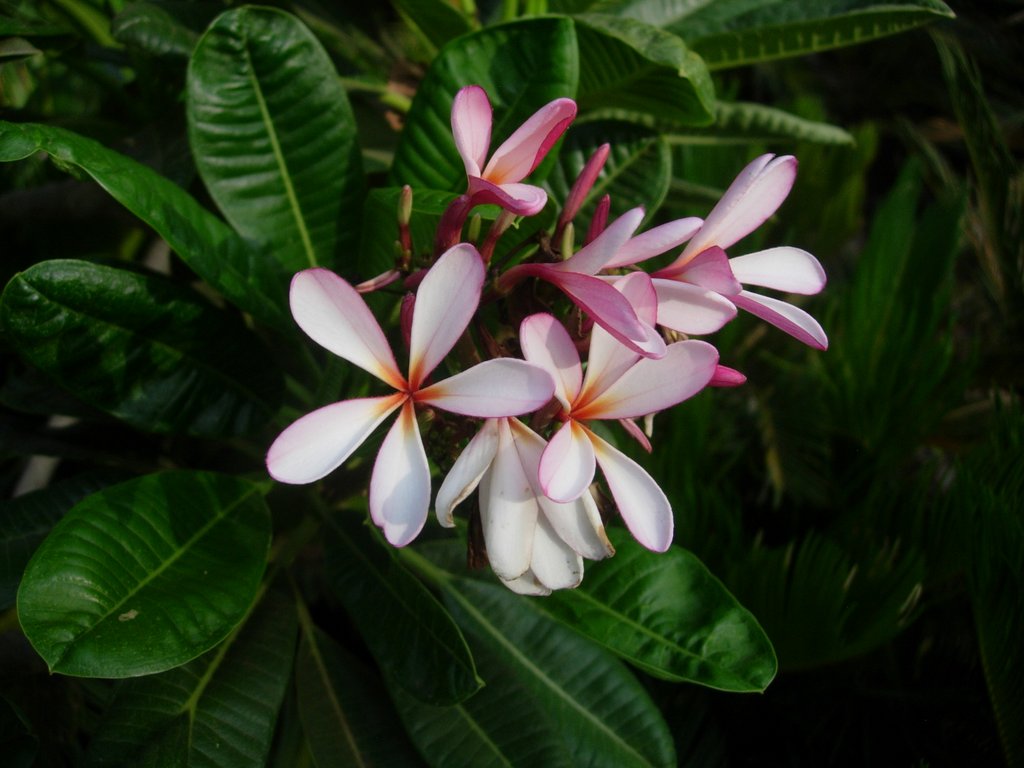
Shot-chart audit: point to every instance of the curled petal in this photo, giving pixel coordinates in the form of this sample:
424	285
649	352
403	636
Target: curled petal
508	510
784	269
655	242
709	269
527	584
464	476
688	308
445	303
334	315
593	257
321	441
642	504
793	320
546	343
654	385
567	464
520	199
555	564
471	126
400	483
516	158
500	387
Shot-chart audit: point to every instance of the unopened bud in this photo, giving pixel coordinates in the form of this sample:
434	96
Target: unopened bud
600	218
475	224
568	240
405	317
405	206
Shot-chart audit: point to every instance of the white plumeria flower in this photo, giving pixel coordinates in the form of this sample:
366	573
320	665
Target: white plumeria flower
619	384
700	290
335	316
534	544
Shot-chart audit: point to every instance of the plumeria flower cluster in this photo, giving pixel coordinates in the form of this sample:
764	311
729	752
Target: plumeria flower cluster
573	342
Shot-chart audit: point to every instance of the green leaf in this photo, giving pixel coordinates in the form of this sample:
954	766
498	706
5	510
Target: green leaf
218	710
13	48
345	711
26	520
145	575
204	242
637	172
627	64
436	21
731	33
274	137
408	631
669	616
603	712
522	66
164	29
141	348
749	123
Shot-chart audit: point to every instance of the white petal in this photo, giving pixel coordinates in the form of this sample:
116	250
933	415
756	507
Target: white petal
577	523
465	474
521	152
754	196
504	386
784	269
594	256
654	385
445	303
567	464
546	343
526	584
655	241
689	308
335	316
321	441
642	504
400	484
555	564
508	510
792	320
471	127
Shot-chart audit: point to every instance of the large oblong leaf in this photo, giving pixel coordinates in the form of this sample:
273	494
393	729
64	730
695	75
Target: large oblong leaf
204	242
522	66
145	575
274	137
141	348
668	615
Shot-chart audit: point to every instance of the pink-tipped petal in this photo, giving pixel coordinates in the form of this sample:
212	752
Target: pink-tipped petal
567	464
654	385
594	257
726	377
520	199
500	387
642	504
655	242
709	269
784	269
508	510
321	441
786	317
445	303
688	308
464	476
555	564
400	483
334	315
516	158
471	126
546	343
754	196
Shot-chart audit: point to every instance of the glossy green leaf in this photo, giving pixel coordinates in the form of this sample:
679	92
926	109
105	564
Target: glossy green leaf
345	711
408	631
522	66
26	520
627	64
499	725
141	348
749	123
161	29
437	21
274	137
668	615
145	575
638	170
203	241
217	711
730	33
605	715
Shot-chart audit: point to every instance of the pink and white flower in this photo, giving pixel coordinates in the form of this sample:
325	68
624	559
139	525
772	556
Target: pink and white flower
619	384
534	544
497	180
335	316
699	291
